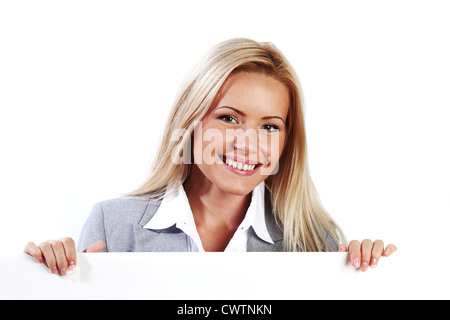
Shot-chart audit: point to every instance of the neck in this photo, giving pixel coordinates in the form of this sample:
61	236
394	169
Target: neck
212	206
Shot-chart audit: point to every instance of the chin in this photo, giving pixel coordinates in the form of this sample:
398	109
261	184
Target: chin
237	188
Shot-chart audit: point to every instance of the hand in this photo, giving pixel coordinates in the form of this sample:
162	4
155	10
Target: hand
60	256
368	253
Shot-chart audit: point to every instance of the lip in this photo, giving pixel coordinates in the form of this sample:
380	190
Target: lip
241	172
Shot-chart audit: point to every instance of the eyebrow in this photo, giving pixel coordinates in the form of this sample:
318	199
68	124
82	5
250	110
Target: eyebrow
243	114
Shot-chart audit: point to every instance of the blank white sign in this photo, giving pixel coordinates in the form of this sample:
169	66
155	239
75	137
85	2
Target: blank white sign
211	276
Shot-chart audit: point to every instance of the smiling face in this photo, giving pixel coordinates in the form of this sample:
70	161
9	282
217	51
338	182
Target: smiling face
240	140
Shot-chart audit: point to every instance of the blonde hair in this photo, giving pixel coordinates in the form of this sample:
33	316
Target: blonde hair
294	199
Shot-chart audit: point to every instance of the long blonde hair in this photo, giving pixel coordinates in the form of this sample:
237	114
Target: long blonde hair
294	199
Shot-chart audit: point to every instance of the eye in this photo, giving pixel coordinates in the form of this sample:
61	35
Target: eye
271	128
229	119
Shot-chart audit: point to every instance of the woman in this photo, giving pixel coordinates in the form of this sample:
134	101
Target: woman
231	173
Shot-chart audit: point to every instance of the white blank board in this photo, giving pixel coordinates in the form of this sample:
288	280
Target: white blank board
212	276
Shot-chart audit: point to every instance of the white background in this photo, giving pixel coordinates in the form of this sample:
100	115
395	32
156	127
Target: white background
85	87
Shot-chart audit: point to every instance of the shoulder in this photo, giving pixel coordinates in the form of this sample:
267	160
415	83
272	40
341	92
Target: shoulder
124	205
114	221
126	209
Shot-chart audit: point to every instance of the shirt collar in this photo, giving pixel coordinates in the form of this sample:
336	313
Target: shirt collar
175	210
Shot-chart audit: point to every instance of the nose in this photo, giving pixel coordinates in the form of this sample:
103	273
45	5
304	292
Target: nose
246	141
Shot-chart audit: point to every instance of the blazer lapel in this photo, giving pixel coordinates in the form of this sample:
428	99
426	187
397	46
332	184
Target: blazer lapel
275	231
147	240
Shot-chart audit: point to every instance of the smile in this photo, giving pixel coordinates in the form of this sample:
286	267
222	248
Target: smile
240	166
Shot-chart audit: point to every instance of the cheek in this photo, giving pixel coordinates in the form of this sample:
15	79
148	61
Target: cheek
197	150
272	148
208	143
280	144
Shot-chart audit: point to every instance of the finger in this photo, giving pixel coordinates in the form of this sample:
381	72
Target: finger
354	250
49	256
96	247
60	255
70	251
342	248
390	249
366	254
377	251
34	251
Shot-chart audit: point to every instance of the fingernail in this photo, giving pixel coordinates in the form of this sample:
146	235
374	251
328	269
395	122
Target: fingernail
41	260
55	270
373	263
72	265
356	263
63	271
364	266
387	252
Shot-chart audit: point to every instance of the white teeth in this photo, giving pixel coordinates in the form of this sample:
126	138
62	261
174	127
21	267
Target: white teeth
239	165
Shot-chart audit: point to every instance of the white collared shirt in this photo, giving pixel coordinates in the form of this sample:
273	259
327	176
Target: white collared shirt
175	210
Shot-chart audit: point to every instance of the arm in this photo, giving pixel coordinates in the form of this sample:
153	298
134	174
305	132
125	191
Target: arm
93	229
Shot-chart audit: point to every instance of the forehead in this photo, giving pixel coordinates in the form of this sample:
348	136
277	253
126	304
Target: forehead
254	93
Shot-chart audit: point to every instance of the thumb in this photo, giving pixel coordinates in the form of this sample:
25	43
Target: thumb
96	247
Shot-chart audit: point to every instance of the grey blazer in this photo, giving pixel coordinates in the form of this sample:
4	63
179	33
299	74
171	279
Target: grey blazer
119	223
